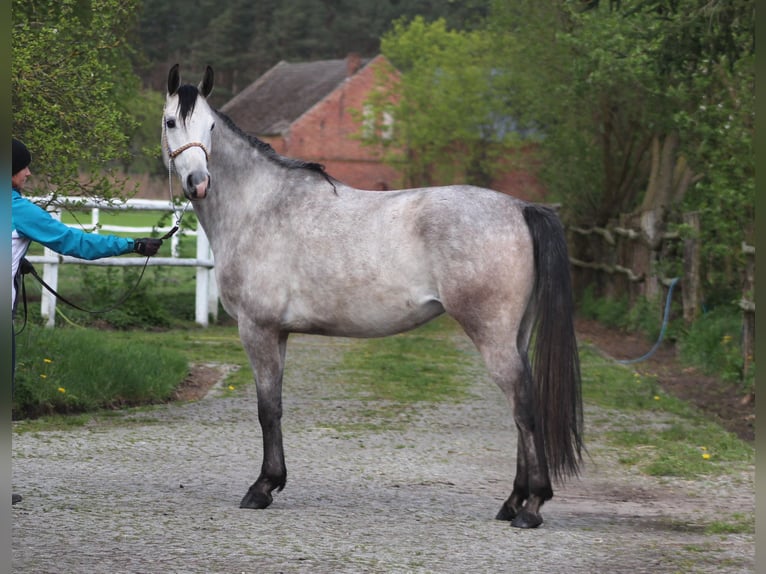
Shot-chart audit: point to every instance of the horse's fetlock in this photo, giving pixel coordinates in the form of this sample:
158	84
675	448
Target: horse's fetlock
543	493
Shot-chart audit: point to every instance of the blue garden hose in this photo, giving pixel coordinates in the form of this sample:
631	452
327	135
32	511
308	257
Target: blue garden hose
665	321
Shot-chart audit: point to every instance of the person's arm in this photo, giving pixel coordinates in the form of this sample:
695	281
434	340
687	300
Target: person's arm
33	222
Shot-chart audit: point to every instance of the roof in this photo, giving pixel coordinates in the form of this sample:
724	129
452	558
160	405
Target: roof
271	104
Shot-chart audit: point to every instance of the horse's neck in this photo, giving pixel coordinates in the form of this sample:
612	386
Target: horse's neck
241	186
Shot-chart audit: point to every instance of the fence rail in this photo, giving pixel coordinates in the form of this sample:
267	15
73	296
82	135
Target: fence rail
206	291
629	262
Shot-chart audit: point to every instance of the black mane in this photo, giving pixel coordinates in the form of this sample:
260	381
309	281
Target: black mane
266	149
187	98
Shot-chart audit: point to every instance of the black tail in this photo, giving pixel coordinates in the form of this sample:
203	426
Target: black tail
555	361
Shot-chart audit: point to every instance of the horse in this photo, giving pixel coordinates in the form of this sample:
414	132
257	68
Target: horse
298	251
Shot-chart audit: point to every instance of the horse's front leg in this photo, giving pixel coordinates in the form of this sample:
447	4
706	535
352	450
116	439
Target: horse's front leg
266	350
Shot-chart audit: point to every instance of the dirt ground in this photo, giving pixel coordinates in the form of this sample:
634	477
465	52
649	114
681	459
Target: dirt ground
370	490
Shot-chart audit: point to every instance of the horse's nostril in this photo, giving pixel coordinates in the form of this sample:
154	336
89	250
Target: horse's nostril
197	184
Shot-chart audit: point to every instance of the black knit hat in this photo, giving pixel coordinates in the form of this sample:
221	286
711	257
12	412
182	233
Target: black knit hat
21	156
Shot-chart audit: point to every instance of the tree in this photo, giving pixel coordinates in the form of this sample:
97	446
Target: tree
641	105
242	39
449	119
71	81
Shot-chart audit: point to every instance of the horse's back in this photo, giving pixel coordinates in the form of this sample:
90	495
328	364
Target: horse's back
463	214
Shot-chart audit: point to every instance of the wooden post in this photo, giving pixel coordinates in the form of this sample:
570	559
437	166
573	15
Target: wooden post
202	296
748	308
691	280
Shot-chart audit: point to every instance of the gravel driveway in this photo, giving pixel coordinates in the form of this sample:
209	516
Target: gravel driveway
157	491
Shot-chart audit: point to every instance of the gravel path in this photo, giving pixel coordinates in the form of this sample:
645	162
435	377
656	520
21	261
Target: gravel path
157	491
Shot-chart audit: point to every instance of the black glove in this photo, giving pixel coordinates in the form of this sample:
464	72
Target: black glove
147	245
26	266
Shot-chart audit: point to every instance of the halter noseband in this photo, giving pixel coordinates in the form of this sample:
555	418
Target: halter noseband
183	148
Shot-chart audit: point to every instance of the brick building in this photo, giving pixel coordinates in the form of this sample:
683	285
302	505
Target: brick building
304	110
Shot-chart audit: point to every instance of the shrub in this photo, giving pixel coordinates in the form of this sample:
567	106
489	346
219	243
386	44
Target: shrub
611	312
140	308
713	343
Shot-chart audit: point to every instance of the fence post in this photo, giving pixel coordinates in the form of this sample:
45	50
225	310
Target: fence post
203	279
690	287
212	288
748	308
51	277
176	238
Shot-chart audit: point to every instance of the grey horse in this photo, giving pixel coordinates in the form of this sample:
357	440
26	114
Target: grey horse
297	251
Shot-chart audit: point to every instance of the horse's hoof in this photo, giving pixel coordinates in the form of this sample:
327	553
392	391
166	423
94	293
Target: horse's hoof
526	519
255	500
506	513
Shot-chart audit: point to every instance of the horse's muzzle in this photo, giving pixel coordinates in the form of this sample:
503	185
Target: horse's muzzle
197	185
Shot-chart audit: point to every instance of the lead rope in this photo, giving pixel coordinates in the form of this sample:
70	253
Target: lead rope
178	217
26	267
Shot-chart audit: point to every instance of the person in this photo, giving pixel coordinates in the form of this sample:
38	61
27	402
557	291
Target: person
30	222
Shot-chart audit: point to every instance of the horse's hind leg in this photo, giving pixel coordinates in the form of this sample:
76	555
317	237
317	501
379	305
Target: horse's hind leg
509	368
532	484
513	506
266	350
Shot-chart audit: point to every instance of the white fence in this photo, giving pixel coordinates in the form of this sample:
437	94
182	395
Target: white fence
206	298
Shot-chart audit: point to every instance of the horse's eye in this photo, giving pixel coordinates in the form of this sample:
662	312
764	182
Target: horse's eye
211	127
171	123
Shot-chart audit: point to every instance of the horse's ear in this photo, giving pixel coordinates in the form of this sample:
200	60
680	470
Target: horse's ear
206	85
174	80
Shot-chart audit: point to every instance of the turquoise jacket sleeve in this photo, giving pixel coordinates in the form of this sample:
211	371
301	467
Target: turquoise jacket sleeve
32	221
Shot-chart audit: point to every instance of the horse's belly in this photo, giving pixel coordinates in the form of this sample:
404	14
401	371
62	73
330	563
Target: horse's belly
368	318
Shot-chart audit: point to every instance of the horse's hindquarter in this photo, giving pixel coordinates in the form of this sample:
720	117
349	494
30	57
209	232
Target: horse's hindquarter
486	258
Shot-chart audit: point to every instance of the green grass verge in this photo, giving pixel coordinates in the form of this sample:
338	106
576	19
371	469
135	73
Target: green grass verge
653	431
421	365
77	370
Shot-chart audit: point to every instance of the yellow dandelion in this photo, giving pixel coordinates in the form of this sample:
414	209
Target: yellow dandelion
706	455
43	376
656	397
726	339
61	390
47	361
231	387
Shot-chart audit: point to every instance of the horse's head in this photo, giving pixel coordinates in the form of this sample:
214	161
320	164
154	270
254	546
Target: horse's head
187	124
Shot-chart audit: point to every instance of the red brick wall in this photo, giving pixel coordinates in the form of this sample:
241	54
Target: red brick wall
325	134
518	179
